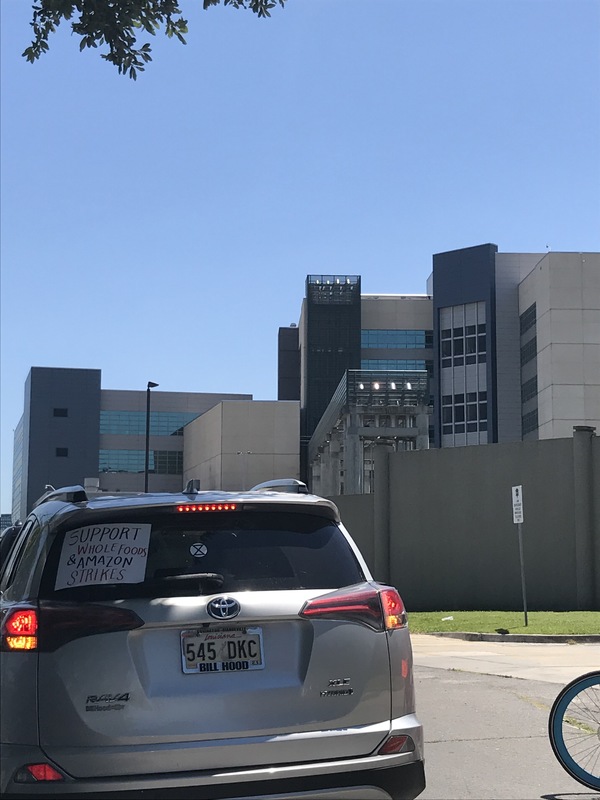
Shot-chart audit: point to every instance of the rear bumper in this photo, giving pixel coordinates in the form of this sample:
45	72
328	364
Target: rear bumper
371	778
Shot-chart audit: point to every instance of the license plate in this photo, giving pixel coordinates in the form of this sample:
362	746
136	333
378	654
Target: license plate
230	650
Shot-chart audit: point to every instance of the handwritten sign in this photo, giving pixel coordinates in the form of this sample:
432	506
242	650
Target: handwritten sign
115	553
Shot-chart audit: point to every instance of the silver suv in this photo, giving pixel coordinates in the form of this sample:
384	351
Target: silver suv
207	644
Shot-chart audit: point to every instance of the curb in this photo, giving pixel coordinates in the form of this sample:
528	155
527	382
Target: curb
531	638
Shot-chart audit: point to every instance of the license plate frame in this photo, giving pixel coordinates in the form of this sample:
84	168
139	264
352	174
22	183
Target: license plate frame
219	642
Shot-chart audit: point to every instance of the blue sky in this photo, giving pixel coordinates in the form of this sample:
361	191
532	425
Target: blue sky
163	229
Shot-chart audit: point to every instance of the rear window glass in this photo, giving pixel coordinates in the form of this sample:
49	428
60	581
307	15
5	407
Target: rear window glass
182	555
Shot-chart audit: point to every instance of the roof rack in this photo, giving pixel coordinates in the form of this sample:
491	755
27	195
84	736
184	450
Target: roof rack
68	494
288	485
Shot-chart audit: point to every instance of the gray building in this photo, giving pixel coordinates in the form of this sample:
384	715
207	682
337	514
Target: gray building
5	521
509	344
341	331
58	436
236	445
72	430
370	410
516	345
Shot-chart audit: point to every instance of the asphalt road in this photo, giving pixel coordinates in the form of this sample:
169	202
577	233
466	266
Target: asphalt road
486	739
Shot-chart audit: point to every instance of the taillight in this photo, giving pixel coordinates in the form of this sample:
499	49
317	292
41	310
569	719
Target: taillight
377	609
394	613
54	624
20	629
396	744
38	773
207	507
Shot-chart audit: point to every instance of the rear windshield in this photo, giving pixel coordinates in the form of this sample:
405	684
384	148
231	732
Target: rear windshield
182	555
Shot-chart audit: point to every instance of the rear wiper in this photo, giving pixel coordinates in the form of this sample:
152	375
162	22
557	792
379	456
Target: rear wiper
211	578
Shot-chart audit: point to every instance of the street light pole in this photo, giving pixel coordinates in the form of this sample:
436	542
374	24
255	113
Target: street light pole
151	385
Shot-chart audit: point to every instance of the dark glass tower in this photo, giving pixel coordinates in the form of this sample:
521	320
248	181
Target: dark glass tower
288	364
330	342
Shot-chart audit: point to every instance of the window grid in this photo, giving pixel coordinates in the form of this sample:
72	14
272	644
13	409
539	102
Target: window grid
463	342
388	339
133	423
461	417
529	351
161	462
528	318
529	389
529	422
392	364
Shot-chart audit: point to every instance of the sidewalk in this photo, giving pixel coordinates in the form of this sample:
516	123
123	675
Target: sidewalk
551	662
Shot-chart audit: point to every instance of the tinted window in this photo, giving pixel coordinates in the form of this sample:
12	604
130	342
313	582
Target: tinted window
246	551
7	539
17	570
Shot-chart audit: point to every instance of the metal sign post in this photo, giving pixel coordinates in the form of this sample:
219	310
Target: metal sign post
517	506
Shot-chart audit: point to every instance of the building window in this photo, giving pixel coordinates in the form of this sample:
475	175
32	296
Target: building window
161	462
529	389
61	412
528	319
133	423
529	351
62	452
466	411
391	339
529	422
392	364
463	345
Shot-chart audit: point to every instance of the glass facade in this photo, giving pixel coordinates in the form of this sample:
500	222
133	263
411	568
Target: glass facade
392	364
133	423
161	462
389	339
333	314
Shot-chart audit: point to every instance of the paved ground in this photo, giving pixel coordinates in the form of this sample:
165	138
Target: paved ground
484	706
486	738
555	663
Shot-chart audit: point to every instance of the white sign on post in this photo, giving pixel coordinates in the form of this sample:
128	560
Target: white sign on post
517	504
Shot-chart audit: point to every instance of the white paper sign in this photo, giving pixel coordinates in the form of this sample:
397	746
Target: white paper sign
115	553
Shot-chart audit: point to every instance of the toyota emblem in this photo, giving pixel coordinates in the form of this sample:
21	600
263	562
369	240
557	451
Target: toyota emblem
223	608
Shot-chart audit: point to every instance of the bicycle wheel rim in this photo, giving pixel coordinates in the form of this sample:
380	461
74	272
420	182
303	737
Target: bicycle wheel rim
574	729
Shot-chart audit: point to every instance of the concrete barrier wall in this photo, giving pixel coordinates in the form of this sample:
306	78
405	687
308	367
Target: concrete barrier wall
442	529
357	515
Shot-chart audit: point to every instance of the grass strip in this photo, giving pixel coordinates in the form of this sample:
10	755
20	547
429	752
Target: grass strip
541	622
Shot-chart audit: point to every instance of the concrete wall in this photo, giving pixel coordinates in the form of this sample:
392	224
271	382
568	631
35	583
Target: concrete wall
396	312
442	529
239	444
357	512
